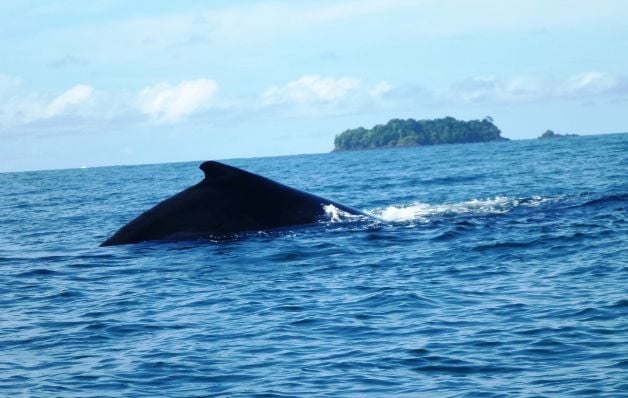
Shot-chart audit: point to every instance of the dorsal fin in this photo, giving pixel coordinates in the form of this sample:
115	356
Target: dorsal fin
215	170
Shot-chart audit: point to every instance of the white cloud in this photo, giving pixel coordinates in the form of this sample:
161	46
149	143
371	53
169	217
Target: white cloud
310	89
72	98
380	89
21	106
581	86
588	83
166	103
490	88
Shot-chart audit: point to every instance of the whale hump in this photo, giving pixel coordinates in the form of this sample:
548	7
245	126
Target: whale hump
227	201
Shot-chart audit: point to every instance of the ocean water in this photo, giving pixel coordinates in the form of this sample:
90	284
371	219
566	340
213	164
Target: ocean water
495	269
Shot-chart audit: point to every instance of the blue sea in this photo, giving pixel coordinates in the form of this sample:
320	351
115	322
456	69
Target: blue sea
489	270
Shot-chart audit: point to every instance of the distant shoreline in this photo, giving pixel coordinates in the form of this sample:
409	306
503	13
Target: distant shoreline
178	161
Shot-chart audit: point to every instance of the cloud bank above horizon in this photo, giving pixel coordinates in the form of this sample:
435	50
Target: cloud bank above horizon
174	102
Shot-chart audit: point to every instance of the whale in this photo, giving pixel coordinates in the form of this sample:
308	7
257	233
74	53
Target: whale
228	201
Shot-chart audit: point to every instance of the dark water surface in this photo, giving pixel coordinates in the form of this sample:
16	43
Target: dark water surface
501	269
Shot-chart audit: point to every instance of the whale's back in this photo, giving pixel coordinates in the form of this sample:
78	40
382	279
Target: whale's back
227	201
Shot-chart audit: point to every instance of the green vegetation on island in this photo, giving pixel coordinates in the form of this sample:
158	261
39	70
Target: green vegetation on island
410	132
551	134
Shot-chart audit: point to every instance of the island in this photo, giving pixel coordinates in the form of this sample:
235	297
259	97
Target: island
410	132
551	134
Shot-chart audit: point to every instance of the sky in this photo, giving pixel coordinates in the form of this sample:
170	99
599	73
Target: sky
108	82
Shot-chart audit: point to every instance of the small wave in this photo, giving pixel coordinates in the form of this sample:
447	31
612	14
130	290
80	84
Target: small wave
616	198
422	212
37	272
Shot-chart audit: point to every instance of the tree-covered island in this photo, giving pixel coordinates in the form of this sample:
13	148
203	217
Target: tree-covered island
410	132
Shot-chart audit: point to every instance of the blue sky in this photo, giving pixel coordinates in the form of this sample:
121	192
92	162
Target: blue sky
118	82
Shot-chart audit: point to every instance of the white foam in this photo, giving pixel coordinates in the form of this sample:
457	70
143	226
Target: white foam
337	215
422	212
